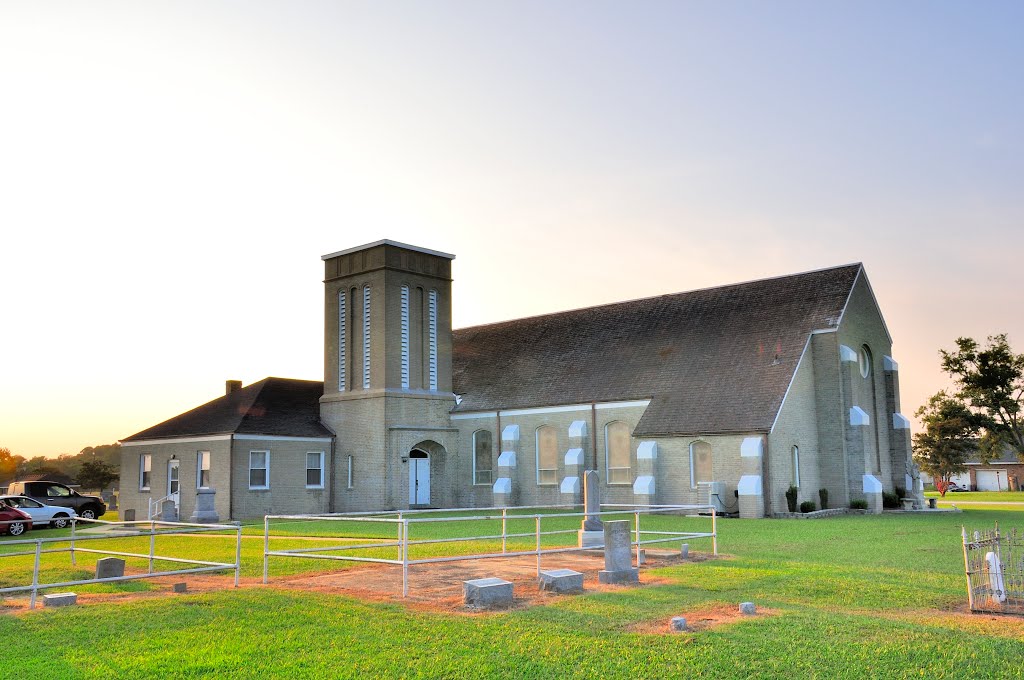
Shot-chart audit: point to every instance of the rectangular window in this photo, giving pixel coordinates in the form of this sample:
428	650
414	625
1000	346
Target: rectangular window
432	339
145	471
482	457
796	466
366	338
203	470
547	455
315	470
259	469
405	337
342	354
350	472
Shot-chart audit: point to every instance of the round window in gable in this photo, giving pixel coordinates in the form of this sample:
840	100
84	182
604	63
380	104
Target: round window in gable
864	359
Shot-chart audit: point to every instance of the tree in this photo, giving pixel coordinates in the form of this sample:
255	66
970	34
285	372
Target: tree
948	438
9	464
990	381
95	474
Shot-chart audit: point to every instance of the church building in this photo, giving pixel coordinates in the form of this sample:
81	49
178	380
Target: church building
726	395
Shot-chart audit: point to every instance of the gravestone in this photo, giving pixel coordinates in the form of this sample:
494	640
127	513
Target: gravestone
60	599
748	608
180	587
128	515
618	560
169	511
561	581
205	513
487	592
679	624
109	567
591	532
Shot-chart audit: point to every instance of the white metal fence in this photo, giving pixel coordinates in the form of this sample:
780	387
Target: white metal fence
400	523
994	563
72	544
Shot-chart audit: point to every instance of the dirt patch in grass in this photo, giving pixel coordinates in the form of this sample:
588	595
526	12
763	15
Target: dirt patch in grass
435	587
698	620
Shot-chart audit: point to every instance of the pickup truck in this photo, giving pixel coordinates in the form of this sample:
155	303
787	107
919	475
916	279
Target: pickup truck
53	493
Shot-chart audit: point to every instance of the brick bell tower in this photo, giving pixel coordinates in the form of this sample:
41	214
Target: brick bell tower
388	377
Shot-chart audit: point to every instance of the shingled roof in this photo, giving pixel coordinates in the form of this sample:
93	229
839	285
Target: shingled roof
272	406
717	360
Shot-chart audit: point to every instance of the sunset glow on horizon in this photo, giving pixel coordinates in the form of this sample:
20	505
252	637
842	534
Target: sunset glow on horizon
172	173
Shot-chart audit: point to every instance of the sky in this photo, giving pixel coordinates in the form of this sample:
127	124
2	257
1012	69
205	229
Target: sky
171	173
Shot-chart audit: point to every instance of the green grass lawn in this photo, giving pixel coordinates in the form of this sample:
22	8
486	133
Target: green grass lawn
853	597
959	497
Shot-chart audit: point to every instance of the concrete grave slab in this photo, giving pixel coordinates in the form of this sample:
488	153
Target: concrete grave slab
487	592
60	599
563	581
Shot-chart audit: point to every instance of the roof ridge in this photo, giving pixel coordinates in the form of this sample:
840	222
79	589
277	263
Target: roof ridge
859	265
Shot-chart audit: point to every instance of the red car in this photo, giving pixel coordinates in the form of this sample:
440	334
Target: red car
13	521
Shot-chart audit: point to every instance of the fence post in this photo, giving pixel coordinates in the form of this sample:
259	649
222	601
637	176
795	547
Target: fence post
405	557
967	569
266	547
35	577
538	545
73	523
714	531
504	531
152	544
238	551
636	514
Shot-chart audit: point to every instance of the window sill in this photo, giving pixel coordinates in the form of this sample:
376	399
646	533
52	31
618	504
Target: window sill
619	484
144	490
315	487
482	484
259	488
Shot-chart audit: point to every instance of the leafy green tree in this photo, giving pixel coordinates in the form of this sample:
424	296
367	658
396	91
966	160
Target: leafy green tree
95	474
990	381
949	437
9	464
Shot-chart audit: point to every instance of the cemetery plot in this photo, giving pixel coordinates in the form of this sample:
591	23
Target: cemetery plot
410	538
994	564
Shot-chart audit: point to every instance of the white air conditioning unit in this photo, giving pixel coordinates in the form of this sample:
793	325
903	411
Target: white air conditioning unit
715	495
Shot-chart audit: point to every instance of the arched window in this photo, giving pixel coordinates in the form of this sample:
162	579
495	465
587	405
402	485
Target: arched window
796	466
864	361
482	457
700	463
618	454
547	455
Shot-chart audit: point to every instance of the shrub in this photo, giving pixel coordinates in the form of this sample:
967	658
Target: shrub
823	495
859	504
890	500
901	492
791	498
808	506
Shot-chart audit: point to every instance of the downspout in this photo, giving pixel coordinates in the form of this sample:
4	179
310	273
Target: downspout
766	484
329	482
593	436
500	447
231	467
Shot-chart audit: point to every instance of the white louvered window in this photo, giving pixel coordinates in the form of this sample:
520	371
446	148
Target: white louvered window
405	337
547	455
618	453
315	470
366	337
432	338
145	471
342	356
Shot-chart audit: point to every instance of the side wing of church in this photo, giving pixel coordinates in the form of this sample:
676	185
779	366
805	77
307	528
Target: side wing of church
727	395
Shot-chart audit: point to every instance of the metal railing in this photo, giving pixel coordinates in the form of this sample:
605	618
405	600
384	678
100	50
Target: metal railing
150	528
994	565
404	519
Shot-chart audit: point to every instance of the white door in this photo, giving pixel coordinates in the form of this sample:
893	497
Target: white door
419	478
173	487
991	480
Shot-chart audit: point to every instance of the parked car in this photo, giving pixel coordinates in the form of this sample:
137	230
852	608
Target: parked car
953	486
57	516
14	521
53	493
